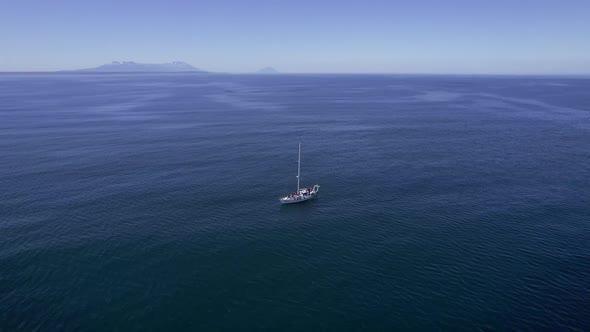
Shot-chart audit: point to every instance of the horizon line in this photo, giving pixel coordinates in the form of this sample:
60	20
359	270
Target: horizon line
204	72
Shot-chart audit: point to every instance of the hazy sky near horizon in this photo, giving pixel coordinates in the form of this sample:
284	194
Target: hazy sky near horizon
421	36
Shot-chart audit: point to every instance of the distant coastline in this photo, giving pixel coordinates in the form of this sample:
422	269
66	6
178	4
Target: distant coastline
170	67
267	70
135	67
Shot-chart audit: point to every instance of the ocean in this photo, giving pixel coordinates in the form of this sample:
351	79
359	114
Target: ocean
149	202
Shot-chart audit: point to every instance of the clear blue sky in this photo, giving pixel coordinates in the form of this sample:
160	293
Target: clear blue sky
421	36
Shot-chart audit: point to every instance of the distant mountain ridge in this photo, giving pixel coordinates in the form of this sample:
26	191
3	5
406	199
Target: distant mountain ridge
130	66
267	70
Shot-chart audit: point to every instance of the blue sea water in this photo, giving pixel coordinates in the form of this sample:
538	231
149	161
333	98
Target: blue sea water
150	203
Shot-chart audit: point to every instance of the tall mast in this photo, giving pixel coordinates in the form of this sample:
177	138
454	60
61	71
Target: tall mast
298	167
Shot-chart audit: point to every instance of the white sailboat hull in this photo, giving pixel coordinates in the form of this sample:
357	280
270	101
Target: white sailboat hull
285	200
304	195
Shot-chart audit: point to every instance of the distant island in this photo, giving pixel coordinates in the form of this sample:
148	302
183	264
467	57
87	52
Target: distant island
170	67
267	70
130	66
